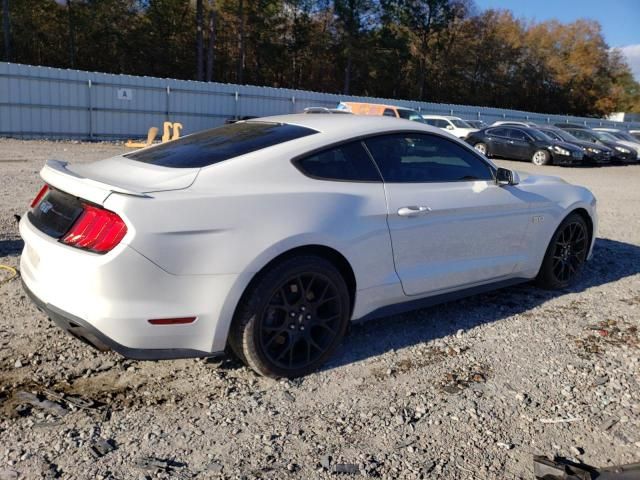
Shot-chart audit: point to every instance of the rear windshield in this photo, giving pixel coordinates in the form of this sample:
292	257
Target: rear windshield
218	144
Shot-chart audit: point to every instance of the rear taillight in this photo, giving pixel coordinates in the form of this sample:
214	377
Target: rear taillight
96	229
43	191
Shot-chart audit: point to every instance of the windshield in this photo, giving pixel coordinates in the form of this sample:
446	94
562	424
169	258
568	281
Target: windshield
460	123
625	136
409	114
566	136
538	135
218	144
552	134
607	137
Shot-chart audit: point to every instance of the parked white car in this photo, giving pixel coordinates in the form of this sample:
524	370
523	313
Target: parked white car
270	235
622	137
454	125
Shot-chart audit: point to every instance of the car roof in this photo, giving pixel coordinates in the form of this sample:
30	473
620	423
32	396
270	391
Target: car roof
441	117
356	124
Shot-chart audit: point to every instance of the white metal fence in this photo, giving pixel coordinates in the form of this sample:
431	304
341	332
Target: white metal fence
48	102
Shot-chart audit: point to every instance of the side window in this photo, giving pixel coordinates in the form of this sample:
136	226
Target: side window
442	123
431	121
498	132
517	135
349	162
389	113
404	158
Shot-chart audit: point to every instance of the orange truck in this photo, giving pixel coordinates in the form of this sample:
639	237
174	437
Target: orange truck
360	108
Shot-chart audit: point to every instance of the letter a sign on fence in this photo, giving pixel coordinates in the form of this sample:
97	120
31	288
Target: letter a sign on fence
125	94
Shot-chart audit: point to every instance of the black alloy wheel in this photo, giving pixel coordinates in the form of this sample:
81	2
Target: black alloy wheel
292	317
569	251
565	254
300	321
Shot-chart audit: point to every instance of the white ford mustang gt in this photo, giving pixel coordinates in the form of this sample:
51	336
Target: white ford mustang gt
270	235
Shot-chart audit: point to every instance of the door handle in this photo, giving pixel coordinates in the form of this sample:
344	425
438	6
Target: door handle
413	211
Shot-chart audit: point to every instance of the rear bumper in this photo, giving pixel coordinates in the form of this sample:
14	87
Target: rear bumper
108	300
90	335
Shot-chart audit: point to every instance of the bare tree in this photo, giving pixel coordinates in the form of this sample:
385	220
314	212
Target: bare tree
212	40
199	40
6	28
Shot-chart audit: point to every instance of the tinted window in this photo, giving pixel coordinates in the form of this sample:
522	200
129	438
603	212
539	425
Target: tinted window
389	113
425	158
582	134
349	162
517	135
498	132
410	115
218	144
553	135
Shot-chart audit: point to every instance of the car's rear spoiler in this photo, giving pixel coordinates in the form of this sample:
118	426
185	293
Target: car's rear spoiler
56	174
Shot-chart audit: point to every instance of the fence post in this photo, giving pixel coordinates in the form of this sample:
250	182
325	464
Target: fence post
293	104
168	111
90	108
235	108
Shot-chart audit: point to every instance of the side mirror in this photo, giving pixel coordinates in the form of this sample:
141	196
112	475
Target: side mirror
449	127
505	176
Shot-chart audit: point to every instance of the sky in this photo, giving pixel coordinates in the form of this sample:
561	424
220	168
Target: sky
620	19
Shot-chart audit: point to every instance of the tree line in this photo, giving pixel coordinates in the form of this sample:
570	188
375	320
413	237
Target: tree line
431	50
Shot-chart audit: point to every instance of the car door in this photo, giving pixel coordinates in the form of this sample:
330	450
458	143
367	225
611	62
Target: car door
498	141
520	144
451	225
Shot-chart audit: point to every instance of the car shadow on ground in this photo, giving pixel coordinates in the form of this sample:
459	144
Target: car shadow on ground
11	247
612	261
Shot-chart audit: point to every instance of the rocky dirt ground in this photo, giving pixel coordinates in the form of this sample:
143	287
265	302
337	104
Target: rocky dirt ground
466	390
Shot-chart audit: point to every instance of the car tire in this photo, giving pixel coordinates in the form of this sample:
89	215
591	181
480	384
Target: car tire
482	148
565	255
541	157
291	318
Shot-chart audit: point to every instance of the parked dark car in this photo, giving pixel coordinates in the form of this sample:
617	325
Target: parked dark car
479	124
622	153
515	123
524	143
593	154
569	125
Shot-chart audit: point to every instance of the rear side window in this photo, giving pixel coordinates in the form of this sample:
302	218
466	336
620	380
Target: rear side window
349	162
218	144
498	132
389	113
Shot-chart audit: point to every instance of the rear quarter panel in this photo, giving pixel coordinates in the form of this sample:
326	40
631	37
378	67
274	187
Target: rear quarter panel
240	214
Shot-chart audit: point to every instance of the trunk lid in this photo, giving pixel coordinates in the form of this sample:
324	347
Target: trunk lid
97	180
72	186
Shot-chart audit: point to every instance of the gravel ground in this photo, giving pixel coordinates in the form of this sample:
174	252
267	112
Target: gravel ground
465	390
